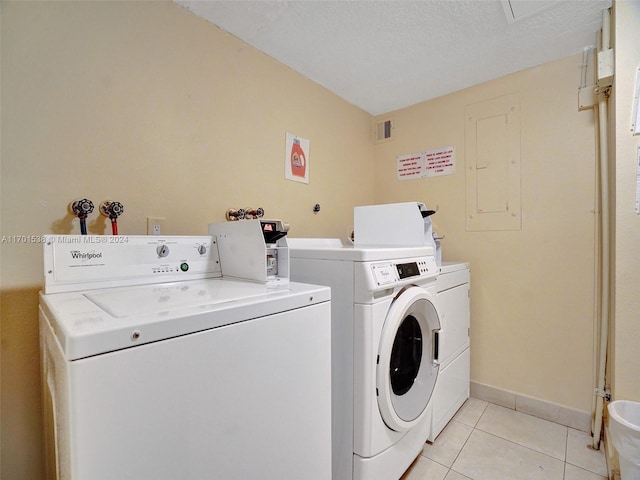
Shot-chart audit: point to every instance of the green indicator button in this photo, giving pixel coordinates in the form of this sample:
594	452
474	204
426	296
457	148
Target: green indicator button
184	267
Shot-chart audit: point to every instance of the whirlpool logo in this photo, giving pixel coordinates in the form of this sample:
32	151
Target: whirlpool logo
78	255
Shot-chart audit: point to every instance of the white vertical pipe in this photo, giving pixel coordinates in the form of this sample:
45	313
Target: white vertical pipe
604	238
585	64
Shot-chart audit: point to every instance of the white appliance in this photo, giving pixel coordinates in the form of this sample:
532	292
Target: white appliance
384	351
408	224
267	239
452	389
156	367
405	224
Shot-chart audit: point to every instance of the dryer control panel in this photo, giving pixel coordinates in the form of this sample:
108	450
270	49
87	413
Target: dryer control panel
390	274
413	269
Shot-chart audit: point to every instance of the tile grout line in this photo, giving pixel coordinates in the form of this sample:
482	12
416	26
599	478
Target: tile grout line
519	445
474	427
566	444
566	454
462	448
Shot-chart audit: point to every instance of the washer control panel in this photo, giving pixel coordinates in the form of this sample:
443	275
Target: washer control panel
81	262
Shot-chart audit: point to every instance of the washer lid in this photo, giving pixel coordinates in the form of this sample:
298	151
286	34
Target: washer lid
171	297
99	321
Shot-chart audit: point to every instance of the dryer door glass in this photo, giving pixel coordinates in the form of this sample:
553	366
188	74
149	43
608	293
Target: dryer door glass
408	368
406	355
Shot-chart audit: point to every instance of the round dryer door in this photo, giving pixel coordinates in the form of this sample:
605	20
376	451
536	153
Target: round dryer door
408	366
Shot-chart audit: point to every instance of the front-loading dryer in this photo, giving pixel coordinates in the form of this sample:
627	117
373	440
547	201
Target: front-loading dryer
385	324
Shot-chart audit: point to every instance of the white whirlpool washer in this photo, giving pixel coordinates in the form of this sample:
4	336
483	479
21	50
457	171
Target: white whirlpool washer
385	324
155	367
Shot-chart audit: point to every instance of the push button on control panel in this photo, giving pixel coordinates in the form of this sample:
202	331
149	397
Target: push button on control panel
421	267
424	267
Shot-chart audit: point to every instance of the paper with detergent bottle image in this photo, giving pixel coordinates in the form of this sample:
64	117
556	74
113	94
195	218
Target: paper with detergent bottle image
296	159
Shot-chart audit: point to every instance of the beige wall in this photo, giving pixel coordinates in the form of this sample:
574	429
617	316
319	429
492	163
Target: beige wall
532	294
144	103
625	360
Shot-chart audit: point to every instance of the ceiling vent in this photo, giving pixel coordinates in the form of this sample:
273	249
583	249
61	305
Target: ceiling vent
383	130
516	10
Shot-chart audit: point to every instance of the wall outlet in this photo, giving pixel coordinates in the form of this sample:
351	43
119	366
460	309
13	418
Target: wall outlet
155	225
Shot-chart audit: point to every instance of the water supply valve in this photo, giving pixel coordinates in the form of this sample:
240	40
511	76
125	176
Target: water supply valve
233	215
111	209
82	208
253	213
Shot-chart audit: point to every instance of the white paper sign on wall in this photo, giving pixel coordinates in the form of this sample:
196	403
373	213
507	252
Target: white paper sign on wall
441	161
431	163
411	166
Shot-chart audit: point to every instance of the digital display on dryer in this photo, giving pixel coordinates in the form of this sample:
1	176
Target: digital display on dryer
406	270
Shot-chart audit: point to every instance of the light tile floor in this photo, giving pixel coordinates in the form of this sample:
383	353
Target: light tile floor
488	442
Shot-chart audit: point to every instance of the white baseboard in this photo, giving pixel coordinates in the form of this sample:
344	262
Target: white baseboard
569	417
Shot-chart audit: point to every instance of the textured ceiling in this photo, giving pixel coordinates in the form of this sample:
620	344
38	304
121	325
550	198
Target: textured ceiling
386	55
